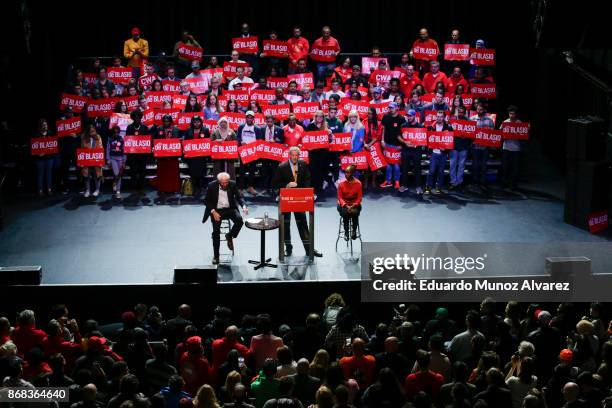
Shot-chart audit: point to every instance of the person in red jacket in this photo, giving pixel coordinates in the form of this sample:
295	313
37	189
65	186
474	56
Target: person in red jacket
298	49
424	379
434	76
423	42
26	335
455	79
324	42
409	80
194	367
349	201
55	343
222	346
360	366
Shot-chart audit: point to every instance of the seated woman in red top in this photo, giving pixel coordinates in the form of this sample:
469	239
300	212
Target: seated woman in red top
349	201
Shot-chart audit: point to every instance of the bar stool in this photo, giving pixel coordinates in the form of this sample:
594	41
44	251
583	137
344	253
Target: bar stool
349	242
225	254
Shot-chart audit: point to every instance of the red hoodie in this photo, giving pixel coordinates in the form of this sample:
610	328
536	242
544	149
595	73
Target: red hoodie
27	337
452	82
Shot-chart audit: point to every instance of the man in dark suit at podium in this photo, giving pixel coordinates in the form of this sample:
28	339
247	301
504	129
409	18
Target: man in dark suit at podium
222	200
294	173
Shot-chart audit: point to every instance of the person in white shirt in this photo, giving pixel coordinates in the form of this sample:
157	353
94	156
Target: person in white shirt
247	133
241	78
335	89
460	347
511	154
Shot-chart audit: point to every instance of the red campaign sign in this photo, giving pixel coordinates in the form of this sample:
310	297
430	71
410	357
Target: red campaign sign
183	121
598	221
456	52
197	85
67	127
241	96
210	124
428	98
120	76
224	150
484	91
171	86
302	80
76	102
392	156
440	140
488	137
249	152
235	119
230	67
145	81
273	48
463	127
271	151
211	72
87	157
425	53
430	116
323	53
179	101
196	147
482	56
358	159
305	110
515	130
89	78
280	112
369	64
263	95
148	117
119	119
382	77
100	107
303	155
277	82
158	115
362	107
415	136
42	146
190	52
381	108
167	147
296	200
316	139
131	102
341	142
468	100
140	144
245	45
156	100
376	159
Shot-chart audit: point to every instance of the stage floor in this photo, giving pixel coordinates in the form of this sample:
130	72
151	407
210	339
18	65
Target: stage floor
139	240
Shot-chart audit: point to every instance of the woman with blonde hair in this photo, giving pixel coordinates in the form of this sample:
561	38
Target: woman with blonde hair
90	139
324	398
320	362
205	398
227	390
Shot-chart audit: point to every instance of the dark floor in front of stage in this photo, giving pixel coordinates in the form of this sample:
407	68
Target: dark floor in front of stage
79	241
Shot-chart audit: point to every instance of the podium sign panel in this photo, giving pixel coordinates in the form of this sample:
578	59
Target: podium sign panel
296	200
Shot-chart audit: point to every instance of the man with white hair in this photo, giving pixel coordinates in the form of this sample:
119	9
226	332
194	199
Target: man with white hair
222	201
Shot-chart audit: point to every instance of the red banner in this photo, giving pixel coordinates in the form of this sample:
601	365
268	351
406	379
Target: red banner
381	77
190	52
468	100
89	78
210	124
425	53
392	156
183	121
158	115
456	52
249	152
369	64
241	96
224	150
67	127
148	117
323	53
155	100
598	221
316	139
296	200
482	56
42	146
415	136
271	151
90	157
361	107
277	82
280	112
167	147
341	142
381	108
179	101
145	81
440	140
171	86
273	48
358	159
376	159
196	147
100	107
119	76
198	85
263	95
245	45
302	80
119	119
140	144
230	67
303	155
488	137
515	130
76	102
131	102
463	127
430	116
484	91
305	110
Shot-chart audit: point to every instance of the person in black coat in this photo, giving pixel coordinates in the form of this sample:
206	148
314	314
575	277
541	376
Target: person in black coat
222	200
274	134
294	173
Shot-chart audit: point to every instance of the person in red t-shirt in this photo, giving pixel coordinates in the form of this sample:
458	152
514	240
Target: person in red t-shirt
455	79
424	380
349	201
298	49
423	42
326	41
194	367
293	132
360	366
434	76
222	346
26	335
409	80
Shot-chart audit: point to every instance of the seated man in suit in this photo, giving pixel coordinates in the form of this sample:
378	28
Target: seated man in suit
294	173
221	202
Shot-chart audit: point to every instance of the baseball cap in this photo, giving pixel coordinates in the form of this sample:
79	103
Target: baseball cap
393	105
566	355
250	113
96	343
412	112
194	343
135	31
441	311
195	64
356	67
544	317
377	89
480	43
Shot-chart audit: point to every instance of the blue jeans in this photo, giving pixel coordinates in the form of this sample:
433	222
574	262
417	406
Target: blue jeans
44	172
393	170
457	166
437	162
323	67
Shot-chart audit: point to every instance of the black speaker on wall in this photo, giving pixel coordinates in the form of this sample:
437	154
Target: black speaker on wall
202	274
20	275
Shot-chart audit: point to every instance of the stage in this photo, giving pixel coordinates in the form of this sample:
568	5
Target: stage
141	239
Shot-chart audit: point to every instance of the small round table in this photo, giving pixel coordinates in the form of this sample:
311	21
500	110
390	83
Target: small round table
259	225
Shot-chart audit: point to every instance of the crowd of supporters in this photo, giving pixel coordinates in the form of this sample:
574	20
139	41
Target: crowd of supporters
407	93
520	357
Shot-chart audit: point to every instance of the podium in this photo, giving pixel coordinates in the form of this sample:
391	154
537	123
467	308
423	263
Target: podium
295	200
